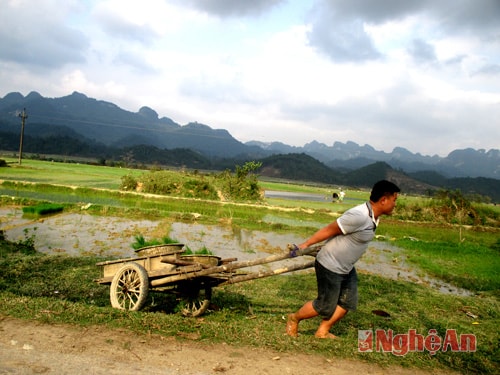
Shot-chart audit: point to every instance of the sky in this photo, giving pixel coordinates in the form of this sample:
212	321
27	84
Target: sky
418	74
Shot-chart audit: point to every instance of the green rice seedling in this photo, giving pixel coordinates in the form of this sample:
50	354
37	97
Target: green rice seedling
141	242
43	209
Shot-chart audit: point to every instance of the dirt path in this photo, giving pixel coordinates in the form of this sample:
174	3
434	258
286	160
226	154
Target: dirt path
28	347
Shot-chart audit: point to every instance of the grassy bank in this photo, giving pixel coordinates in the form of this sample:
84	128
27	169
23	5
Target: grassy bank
60	289
469	259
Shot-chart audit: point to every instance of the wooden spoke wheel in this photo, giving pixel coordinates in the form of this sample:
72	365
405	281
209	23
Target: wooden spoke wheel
195	298
129	288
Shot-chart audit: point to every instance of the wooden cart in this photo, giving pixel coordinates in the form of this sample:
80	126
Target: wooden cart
165	268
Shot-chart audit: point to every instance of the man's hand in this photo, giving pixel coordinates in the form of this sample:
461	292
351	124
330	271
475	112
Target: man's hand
292	249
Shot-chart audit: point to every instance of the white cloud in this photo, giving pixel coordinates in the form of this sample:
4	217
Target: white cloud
28	37
388	73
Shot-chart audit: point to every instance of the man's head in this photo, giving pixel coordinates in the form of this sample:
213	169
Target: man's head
383	196
383	188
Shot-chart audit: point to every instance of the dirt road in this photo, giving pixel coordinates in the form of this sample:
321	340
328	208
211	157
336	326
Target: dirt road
28	347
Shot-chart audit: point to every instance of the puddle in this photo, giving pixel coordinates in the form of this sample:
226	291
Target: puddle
273	219
84	234
297	196
384	259
76	234
314	197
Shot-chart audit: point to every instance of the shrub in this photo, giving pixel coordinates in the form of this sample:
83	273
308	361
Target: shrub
128	183
243	185
240	186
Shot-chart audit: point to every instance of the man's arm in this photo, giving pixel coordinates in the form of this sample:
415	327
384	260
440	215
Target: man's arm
331	230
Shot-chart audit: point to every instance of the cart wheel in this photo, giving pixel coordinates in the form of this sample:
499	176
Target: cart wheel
196	302
129	288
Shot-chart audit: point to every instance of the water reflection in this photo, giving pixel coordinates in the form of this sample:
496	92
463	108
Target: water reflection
228	242
315	197
81	234
297	196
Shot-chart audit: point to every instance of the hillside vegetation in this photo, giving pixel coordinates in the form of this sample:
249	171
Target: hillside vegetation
295	167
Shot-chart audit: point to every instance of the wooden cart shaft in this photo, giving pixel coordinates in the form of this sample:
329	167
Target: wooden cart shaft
259	275
228	268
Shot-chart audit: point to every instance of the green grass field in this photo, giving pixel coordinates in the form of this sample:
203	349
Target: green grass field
251	313
69	174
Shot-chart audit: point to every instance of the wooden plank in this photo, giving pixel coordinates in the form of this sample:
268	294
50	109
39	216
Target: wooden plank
181	262
176	271
126	260
158	273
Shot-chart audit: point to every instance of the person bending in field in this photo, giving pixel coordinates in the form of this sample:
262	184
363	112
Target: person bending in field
347	240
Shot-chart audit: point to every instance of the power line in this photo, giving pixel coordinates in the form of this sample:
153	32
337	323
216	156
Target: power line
23	116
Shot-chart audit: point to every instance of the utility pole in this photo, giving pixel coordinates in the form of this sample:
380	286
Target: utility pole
23	116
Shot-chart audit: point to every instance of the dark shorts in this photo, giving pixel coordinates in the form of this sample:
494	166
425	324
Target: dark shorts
335	289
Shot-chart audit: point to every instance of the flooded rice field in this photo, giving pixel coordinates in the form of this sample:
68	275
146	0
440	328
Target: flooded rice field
79	234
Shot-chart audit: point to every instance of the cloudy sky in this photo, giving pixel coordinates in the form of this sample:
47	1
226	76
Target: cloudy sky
420	74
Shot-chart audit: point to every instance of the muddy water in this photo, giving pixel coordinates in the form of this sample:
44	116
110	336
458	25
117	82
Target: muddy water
389	261
84	234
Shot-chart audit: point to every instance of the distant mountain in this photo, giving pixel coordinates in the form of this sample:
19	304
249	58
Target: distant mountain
110	125
105	124
298	167
302	167
349	156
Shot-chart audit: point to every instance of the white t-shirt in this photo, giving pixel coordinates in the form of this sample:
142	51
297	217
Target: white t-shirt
341	252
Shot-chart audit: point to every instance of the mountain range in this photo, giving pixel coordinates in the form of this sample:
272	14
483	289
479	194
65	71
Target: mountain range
103	123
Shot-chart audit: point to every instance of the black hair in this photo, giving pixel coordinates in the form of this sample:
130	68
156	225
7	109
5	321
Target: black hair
383	188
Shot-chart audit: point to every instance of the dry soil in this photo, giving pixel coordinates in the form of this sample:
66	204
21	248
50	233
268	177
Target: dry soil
29	347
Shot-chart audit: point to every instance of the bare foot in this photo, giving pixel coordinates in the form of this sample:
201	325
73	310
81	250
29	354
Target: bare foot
328	335
292	326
